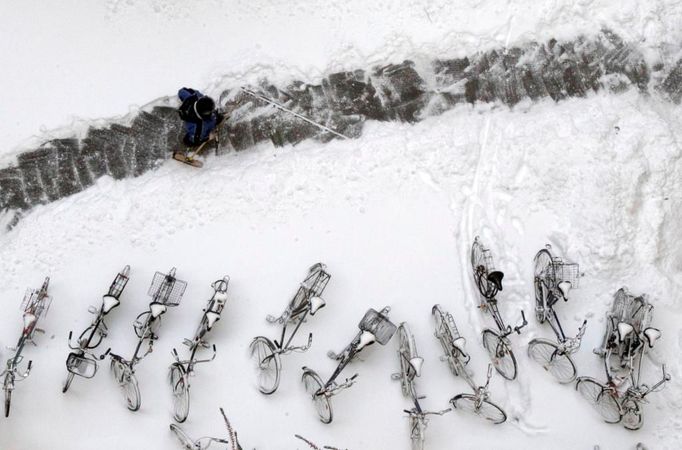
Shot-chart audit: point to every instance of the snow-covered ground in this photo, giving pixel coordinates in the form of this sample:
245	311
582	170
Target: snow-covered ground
392	214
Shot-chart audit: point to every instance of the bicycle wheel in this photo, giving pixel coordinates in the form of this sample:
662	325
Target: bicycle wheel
186	442
128	383
8	401
544	278
445	335
632	415
487	410
67	382
312	384
547	354
180	387
406	352
94	341
500	354
417	432
268	364
600	397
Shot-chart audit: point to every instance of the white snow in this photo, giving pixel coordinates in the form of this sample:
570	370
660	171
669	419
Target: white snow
392	214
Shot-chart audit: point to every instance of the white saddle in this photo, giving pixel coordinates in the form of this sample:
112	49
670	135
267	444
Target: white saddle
460	344
157	309
366	338
652	335
623	330
109	302
315	304
29	318
416	364
220	297
564	287
211	319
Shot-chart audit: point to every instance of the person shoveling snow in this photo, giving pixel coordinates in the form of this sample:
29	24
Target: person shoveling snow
201	120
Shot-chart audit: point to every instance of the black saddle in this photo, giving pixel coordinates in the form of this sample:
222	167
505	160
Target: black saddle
495	278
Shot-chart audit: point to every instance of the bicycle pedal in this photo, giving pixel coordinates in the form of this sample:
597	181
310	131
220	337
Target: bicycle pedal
40	330
395	376
187	342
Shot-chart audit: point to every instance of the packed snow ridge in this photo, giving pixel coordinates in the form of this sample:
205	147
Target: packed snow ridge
343	101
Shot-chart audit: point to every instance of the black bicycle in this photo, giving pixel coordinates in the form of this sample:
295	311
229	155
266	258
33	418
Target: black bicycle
454	348
410	368
35	305
82	361
554	278
181	370
374	327
265	352
166	291
489	283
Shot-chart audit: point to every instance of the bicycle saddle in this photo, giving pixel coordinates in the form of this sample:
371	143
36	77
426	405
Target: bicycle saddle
109	302
157	309
564	287
315	304
29	318
366	338
495	277
652	335
460	344
220	297
416	364
211	319
623	330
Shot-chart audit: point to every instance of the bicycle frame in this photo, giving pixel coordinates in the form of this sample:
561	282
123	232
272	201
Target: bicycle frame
205	442
166	291
374	327
82	361
35	305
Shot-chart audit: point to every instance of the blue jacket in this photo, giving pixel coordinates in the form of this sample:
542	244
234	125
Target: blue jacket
197	129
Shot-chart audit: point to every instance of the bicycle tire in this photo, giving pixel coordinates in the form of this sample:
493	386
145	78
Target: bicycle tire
446	340
268	364
500	354
8	401
632	415
67	382
486	409
180	388
183	438
417	433
602	400
312	384
97	337
480	276
406	351
128	384
543	270
559	365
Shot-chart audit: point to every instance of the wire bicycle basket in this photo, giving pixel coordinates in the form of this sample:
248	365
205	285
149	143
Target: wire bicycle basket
35	303
379	325
564	271
119	283
166	289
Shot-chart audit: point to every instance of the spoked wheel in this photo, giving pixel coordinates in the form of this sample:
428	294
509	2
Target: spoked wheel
500	354
445	336
67	382
94	341
546	353
632	415
180	388
186	442
128	384
417	431
485	409
544	278
8	401
141	330
313	384
268	365
600	397
406	352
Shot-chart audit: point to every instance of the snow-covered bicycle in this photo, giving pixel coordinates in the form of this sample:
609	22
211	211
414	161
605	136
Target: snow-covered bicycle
82	361
314	446
35	305
374	327
410	368
181	370
166	291
553	280
454	348
205	442
266	353
489	283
